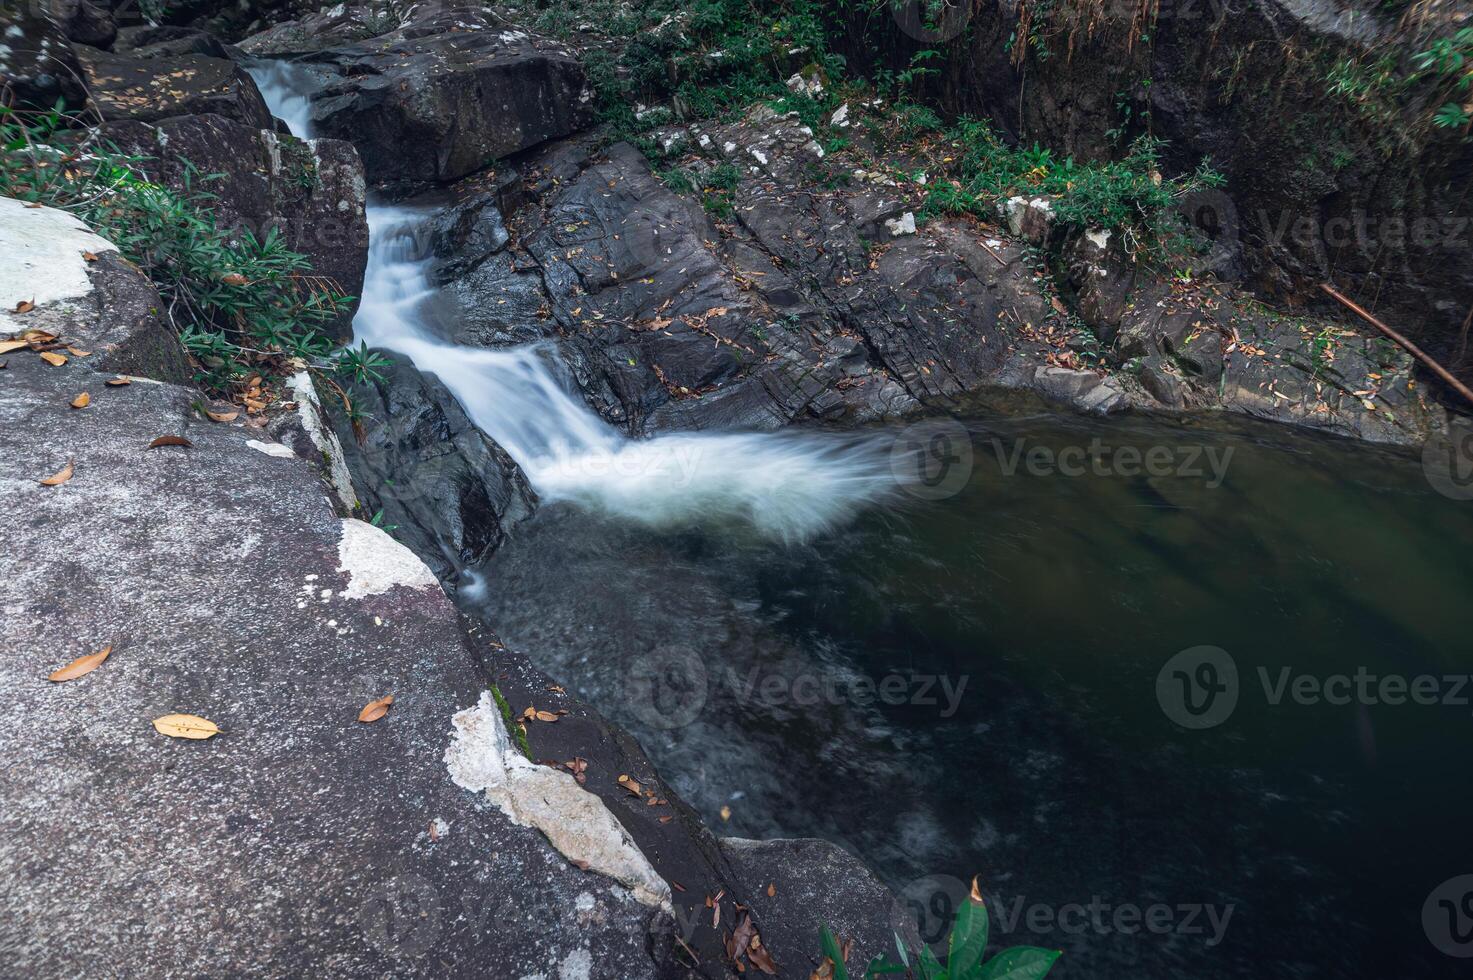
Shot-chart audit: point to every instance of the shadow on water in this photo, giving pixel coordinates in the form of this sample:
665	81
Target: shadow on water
969	685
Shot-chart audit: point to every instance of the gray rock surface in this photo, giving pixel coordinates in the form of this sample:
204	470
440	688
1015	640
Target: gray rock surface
299	841
440	96
150	89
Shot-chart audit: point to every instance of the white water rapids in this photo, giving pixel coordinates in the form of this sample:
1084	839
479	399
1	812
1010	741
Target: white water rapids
787	485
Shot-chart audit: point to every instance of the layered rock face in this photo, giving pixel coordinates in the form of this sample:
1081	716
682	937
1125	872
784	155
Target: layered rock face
437	97
1353	184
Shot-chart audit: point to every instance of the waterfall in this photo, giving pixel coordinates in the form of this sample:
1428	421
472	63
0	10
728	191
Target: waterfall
788	485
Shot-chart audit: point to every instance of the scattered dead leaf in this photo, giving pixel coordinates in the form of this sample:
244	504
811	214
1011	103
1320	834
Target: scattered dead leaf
170	441
185	726
631	784
771	889
53	358
82	400
89	257
119	381
222	416
24	306
59	477
80	666
234	279
976	892
6	346
374	710
78	352
725	813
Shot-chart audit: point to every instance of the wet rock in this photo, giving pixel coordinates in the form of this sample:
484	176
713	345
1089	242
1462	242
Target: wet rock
84	21
1161	382
815	882
1102	276
165	41
37	65
419	466
151	89
309	192
444	94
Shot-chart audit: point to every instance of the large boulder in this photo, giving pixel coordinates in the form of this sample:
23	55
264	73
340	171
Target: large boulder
443	95
419	465
37	65
84	21
309	192
150	89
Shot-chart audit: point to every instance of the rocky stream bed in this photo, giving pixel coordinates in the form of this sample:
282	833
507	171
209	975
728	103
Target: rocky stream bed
566	332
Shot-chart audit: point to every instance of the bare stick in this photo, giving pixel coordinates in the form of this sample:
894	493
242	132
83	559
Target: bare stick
1410	347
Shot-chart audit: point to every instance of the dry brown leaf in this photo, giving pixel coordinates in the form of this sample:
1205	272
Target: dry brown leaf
185	726
771	888
82	400
234	279
374	710
119	381
24	306
976	892
80	666
726	813
222	416
59	477
53	358
35	337
170	441
631	784
6	346
761	959
78	352
546	716
666	818
89	257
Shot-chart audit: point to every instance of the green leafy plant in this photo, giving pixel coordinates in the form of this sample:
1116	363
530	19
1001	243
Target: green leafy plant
239	302
964	954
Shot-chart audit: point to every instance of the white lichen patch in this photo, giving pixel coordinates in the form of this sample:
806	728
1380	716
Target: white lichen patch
309	410
41	257
903	225
482	759
376	563
271	448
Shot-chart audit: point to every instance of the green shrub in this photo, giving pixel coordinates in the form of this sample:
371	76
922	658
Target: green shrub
964	956
239	302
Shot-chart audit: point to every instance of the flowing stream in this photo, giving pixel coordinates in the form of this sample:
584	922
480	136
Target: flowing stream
973	685
788	485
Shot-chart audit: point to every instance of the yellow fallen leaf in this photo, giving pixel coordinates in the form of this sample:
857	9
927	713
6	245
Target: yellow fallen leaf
6	346
222	416
88	257
374	710
24	306
185	726
170	441
53	358
59	477
82	400
119	381
78	352
80	666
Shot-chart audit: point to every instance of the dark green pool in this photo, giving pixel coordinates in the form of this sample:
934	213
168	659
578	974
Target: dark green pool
969	685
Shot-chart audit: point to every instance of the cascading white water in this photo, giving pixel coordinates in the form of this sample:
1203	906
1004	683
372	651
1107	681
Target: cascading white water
788	485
